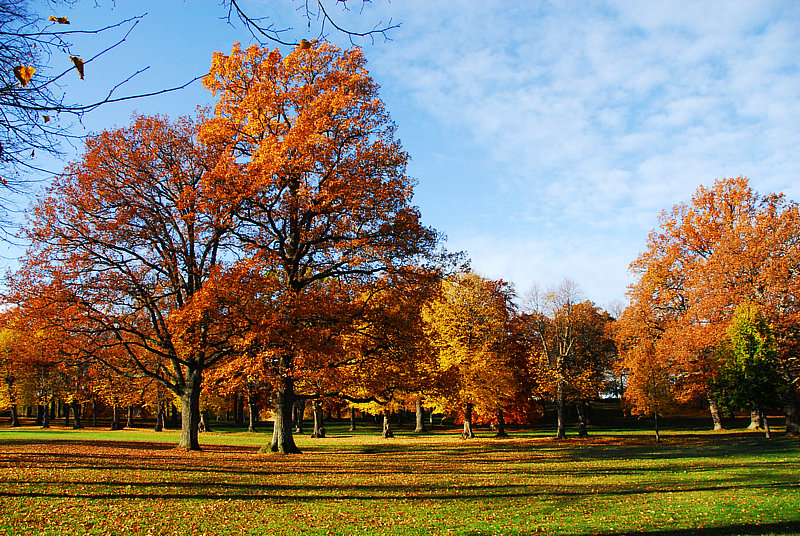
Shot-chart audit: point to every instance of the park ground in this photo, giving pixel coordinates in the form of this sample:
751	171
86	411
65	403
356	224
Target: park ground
618	481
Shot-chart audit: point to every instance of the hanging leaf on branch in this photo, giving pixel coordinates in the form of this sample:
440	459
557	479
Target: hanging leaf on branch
60	20
78	63
24	74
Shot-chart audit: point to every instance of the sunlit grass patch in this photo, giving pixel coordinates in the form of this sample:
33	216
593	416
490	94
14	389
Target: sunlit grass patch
97	482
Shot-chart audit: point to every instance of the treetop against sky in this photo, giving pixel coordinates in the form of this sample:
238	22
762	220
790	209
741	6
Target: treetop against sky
545	139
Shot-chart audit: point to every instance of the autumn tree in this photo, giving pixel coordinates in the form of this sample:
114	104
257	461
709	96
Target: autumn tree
467	324
571	349
323	200
749	376
122	244
730	245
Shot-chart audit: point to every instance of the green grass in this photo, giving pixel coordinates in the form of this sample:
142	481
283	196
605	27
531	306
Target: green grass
134	482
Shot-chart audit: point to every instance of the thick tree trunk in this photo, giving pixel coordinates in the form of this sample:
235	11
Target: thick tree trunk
790	410
467	433
14	416
282	440
501	424
319	420
561	409
756	422
238	410
39	415
764	420
580	409
716	415
190	411
420	417
387	425
252	410
352	419
76	415
131	411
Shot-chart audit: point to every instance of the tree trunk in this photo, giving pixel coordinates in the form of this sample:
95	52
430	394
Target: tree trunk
252	410
46	418
501	424
762	416
790	410
66	414
756	422
420	414
282	440
94	411
561	409
580	409
204	420
319	420
352	419
115	419
238	410
716	415
190	411
431	420
14	416
160	417
76	415
131	411
39	415
387	425
655	420
298	412
467	433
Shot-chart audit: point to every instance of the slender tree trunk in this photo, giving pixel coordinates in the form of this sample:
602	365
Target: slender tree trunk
76	415
756	422
387	424
716	415
39	415
763	417
160	417
561	410
63	411
420	417
319	420
204	420
131	411
94	411
431	420
298	412
580	409
252	413
501	424
115	419
352	419
655	420
46	419
467	433
790	410
282	440
14	416
190	411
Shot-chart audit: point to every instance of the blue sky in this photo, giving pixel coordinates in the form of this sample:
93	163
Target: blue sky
545	137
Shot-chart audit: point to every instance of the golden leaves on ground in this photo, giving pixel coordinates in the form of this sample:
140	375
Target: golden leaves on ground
24	74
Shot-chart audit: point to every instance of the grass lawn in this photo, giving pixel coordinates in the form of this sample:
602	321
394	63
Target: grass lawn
129	482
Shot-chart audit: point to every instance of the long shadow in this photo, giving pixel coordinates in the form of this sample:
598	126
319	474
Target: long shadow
745	529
